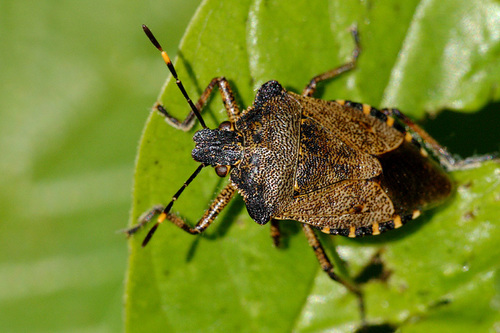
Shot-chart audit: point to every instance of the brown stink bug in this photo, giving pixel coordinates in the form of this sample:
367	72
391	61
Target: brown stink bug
337	166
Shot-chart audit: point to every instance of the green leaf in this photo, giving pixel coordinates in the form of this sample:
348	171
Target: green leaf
231	278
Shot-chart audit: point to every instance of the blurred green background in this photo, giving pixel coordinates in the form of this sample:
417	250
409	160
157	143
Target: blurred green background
78	81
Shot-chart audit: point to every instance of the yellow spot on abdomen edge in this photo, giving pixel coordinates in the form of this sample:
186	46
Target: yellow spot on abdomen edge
397	222
352	232
390	121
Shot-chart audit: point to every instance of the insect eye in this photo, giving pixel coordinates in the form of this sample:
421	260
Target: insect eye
222	170
225	126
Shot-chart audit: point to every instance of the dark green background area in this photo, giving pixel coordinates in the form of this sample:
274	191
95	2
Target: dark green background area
78	81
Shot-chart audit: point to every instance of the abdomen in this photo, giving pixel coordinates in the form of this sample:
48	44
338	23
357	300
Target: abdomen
411	180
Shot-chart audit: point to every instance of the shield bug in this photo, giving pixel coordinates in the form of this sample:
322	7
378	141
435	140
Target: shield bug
340	167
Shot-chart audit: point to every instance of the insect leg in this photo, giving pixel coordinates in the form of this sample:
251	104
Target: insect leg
143	220
219	203
327	266
275	232
208	217
227	95
311	87
225	90
446	159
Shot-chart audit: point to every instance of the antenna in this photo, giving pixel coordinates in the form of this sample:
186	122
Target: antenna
171	68
166	210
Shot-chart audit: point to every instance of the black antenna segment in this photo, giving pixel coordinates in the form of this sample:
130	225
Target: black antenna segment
166	210
171	68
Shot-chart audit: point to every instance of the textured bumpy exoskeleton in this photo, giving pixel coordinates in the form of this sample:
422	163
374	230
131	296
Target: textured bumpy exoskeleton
341	167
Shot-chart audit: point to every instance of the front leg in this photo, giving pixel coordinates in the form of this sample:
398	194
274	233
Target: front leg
219	203
232	109
224	88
